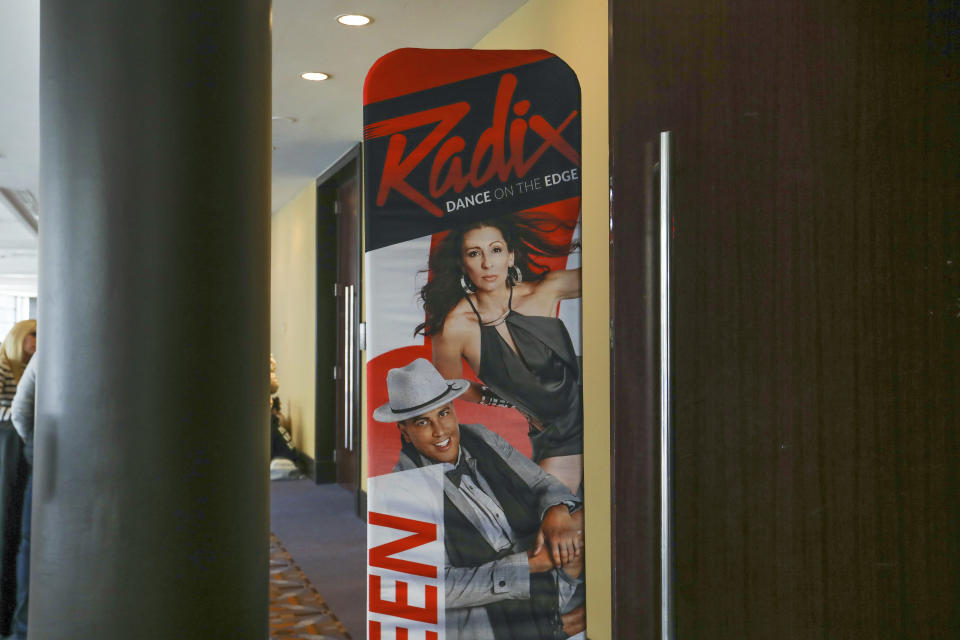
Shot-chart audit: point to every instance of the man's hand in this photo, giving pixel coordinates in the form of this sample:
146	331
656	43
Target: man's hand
575	621
574	567
561	533
539	560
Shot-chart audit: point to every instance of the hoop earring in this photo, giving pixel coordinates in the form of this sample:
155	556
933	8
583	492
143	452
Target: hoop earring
514	274
467	286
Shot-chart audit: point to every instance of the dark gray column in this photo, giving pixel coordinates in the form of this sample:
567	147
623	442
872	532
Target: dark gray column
151	477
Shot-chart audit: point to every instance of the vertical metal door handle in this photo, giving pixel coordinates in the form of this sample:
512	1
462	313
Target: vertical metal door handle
666	512
348	348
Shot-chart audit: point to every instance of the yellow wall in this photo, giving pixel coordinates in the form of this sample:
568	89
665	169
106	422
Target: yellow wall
576	30
293	311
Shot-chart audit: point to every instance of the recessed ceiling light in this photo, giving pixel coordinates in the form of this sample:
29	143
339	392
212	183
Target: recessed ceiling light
289	119
316	76
354	20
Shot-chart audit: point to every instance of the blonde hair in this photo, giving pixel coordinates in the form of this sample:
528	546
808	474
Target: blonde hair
11	353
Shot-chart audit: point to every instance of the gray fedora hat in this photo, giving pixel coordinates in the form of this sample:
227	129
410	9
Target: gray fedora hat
416	389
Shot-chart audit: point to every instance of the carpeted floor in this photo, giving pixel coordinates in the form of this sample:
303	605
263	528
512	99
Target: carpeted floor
318	527
297	612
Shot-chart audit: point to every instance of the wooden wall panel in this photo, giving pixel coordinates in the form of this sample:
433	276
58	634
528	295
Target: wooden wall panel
815	310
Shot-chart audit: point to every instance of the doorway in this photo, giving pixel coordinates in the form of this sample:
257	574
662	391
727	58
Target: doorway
338	311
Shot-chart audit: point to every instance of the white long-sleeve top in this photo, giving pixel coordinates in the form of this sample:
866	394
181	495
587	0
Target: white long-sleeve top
22	409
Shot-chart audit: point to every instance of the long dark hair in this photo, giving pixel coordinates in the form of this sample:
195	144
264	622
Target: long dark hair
527	235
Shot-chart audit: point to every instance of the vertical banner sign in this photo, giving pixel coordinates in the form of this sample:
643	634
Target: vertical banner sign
475	423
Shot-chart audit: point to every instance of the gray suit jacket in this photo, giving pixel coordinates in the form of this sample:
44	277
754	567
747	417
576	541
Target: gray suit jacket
468	589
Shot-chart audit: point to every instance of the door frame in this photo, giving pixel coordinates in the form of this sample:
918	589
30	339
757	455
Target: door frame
636	385
347	168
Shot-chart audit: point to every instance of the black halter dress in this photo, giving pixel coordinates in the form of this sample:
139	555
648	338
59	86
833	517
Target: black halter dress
542	378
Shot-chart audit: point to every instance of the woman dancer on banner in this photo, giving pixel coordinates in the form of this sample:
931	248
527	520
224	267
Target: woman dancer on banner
490	302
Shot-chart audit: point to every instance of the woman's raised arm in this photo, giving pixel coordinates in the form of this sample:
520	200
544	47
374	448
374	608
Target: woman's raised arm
447	356
448	359
563	284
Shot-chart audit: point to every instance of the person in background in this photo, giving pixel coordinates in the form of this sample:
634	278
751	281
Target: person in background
16	352
281	442
22	414
17	349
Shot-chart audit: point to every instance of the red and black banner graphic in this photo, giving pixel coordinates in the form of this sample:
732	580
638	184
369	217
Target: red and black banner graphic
472	163
475	147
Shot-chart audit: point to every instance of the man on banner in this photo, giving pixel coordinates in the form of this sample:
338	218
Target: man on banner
513	534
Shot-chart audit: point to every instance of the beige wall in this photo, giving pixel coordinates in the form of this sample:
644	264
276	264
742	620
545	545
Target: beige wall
576	31
293	312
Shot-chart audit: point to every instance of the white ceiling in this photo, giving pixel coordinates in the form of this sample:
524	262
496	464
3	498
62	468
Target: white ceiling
306	37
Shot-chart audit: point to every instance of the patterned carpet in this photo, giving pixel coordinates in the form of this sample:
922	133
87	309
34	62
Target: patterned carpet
297	612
